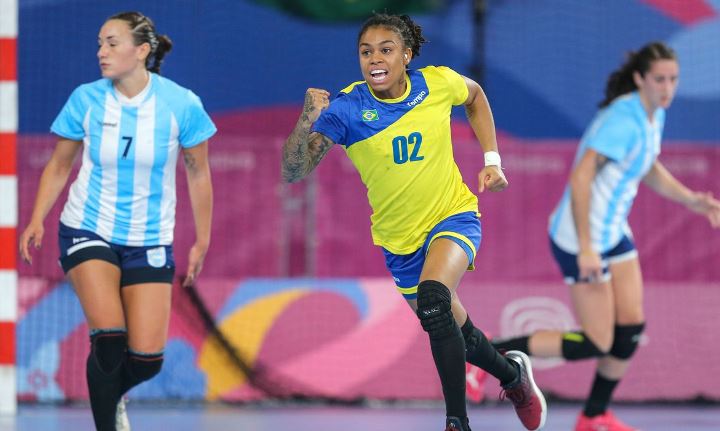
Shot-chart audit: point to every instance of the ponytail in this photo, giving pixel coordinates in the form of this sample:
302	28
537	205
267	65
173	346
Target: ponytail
143	31
621	81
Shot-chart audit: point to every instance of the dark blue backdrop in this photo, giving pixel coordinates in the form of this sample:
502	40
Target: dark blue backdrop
546	61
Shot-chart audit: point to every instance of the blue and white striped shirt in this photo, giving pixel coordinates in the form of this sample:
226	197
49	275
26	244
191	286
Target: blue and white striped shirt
623	133
125	190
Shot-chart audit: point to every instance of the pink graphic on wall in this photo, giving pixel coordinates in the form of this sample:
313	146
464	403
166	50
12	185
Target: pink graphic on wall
356	339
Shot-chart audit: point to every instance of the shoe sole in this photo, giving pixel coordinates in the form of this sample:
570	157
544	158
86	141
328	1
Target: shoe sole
528	366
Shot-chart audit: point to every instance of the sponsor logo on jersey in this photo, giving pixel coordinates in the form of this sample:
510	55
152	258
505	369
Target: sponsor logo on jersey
417	99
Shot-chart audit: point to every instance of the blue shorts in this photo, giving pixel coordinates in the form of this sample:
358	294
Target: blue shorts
154	264
568	262
463	229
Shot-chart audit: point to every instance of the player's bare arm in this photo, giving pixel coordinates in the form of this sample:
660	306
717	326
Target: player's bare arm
190	162
477	109
581	179
52	182
665	184
303	150
200	189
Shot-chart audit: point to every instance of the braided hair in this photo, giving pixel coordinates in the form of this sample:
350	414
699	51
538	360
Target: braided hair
403	25
143	31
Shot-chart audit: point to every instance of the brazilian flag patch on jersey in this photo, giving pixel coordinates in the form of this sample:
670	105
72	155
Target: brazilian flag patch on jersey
369	115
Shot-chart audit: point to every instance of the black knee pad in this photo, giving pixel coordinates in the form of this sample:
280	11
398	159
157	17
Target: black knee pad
626	340
107	349
144	367
434	310
577	345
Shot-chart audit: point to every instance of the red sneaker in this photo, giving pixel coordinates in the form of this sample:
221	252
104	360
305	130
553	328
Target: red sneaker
474	383
604	422
528	400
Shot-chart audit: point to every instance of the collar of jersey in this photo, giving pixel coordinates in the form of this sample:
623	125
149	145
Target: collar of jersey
138	98
396	100
653	124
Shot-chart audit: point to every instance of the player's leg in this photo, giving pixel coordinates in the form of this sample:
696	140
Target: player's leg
464	230
448	252
97	284
147	310
627	287
93	268
146	293
593	304
478	349
629	324
445	263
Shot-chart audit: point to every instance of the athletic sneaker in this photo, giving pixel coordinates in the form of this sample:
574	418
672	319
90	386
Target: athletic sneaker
122	423
604	422
528	400
453	423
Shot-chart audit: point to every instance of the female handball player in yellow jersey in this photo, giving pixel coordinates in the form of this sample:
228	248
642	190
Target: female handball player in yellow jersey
395	127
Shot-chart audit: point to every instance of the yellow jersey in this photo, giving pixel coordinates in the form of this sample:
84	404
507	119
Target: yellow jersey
402	149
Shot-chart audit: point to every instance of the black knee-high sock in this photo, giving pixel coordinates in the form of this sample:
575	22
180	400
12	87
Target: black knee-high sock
104	376
516	343
140	367
449	356
446	343
479	352
600	395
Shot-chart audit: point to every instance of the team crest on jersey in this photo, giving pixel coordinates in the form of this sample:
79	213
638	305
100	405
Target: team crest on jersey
369	115
156	257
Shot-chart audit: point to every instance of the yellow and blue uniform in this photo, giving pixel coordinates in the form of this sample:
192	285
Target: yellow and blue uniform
402	149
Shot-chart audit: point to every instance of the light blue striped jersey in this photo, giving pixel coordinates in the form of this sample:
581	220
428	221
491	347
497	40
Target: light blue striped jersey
623	133
125	189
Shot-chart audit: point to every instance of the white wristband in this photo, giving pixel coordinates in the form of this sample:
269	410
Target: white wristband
492	158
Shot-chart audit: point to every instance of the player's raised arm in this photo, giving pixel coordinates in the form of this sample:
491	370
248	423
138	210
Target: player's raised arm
303	150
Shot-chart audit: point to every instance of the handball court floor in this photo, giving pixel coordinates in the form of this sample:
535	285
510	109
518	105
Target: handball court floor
144	417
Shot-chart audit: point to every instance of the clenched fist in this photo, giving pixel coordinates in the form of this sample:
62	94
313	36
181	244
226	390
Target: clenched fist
316	100
492	178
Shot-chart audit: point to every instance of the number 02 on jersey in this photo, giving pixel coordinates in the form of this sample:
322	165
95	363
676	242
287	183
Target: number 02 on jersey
407	148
